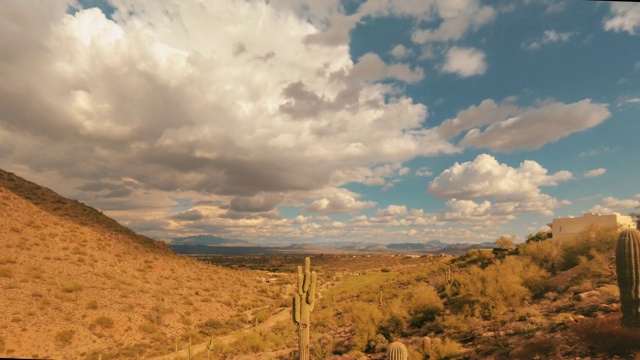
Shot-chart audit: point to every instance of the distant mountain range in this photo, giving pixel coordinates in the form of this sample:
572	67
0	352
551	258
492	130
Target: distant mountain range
214	245
208	240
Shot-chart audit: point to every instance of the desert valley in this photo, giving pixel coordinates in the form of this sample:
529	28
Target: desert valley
319	179
76	284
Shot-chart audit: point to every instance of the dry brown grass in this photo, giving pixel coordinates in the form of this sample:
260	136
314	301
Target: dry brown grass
607	336
76	283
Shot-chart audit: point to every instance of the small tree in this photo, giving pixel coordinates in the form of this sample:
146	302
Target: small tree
538	237
506	242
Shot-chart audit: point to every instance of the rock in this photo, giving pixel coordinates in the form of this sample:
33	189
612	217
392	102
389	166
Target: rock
569	321
587	295
608	308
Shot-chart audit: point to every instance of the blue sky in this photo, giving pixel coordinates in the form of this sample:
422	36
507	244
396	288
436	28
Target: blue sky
326	120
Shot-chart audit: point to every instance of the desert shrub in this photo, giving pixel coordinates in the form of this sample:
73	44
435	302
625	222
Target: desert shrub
608	336
592	240
491	291
5	272
157	313
481	258
538	237
445	349
546	254
148	328
423	304
263	314
249	342
534	277
73	287
92	304
65	336
456	324
526	313
104	322
561	321
217	327
392	325
366	320
539	347
377	344
322	346
596	268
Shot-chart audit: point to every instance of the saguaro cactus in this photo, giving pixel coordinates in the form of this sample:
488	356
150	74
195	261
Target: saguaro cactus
426	345
303	302
397	351
448	281
628	269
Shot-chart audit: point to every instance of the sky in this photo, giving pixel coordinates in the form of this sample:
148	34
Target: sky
314	121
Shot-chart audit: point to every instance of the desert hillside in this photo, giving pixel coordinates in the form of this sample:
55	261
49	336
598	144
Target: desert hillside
76	284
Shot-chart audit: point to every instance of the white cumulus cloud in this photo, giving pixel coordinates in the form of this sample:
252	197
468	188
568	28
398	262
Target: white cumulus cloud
612	205
595	172
548	37
198	97
506	127
392	211
338	201
623	17
465	62
510	189
400	51
457	18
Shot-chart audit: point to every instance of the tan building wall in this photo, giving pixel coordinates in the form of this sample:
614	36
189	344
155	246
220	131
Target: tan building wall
571	226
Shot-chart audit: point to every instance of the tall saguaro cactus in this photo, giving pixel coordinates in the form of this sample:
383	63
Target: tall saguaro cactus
628	269
448	281
303	302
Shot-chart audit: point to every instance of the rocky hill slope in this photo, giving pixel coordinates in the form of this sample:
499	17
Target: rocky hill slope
76	284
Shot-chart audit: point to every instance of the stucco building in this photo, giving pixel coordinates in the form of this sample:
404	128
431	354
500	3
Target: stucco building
571	226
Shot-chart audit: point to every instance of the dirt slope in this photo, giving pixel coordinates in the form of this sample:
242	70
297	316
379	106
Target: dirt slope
76	284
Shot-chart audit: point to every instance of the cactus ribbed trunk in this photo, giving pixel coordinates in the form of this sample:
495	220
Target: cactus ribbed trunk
303	331
397	351
628	269
303	302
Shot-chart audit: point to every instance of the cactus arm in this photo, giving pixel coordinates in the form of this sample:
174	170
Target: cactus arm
311	293
296	309
300	280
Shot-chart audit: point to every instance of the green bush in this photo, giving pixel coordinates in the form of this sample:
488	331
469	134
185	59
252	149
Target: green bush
366	320
546	254
592	240
491	291
393	323
596	268
445	349
423	304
